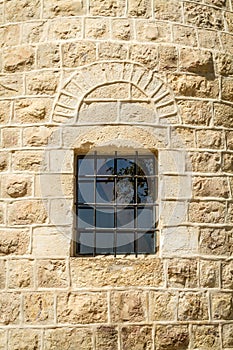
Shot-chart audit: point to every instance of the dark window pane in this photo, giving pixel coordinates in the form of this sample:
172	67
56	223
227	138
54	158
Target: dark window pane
125	243
85	166
142	190
104	191
104	217
105	166
145	243
85	217
86	191
104	243
86	243
125	167
146	166
125	218
146	217
125	190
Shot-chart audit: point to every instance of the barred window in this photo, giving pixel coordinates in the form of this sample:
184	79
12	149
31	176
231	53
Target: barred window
115	204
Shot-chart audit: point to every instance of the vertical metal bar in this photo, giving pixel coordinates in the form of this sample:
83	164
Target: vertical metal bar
95	167
115	204
136	205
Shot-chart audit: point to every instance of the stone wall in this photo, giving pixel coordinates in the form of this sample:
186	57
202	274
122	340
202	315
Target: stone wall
82	74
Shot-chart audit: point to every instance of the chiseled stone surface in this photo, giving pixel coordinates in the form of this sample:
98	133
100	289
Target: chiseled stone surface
107	338
52	273
68	338
134	337
20	274
206	337
222	305
9	308
20	339
38	308
171	337
193	306
14	241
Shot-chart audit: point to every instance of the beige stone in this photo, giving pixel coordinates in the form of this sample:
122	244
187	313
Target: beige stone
3	340
41	136
229	217
196	61
227	90
15	186
222	306
184	35
9	35
212	139
128	306
67	339
209	39
22	11
54	8
193	306
96	112
162	306
209	211
171	337
61	185
20	274
32	110
15	60
227	275
195	112
97	28
229	137
137	112
38	308
28	160
107	338
5	112
136	337
203	16
227	41
182	273
227	165
52	273
21	339
182	137
168	58
229	21
65	28
227	336
9	308
205	162
11	138
82	308
167	10
107	8
145	54
211	187
48	56
215	241
224	63
122	29
34	32
109	51
209	274
206	337
45	83
137	8
4	161
27	212
2	213
11	85
14	241
153	31
116	91
2	274
218	3
78	53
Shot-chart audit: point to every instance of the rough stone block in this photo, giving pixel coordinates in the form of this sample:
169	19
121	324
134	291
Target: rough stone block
5	112
11	138
97	28
55	8
45	83
184	35
78	53
227	42
227	275
137	8
229	137
209	274
97	111
224	63
122	29
227	90
196	61
216	241
9	35
113	8
168	58
182	273
82	308
3	340
203	16
4	161
153	31
182	137
229	217
222	306
195	112
205	337
65	28
193	306
11	85
18	59
145	54
28	160
32	110
186	242
38	308
205	162
167	10
22	10
68	338
52	274
207	212
229	21
171	337
107	338
14	241
34	32
9	308
20	339
110	51
128	306
38	136
227	335
137	112
209	39
227	165
27	212
162	306
54	185
211	187
212	139
134	337
48	56
20	274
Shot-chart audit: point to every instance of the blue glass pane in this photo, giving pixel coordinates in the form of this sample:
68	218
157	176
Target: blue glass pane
125	218
142	190
146	166
105	217
85	166
104	191
105	166
146	217
104	243
125	167
85	217
145	243
125	190
125	243
86	243
86	191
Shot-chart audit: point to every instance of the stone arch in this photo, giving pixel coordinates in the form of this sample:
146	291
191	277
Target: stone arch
144	86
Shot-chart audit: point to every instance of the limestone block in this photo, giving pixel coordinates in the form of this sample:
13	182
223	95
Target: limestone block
211	187
65	28
81	308
145	54
108	51
136	337
53	185
3	340
55	8
227	162
182	137
229	218
78	53
171	337
122	29
193	306
48	56
229	21
212	139
137	112
20	339
45	83
227	89
218	3
2	213
162	306
168	58
9	308
216	241
113	8
1	12
11	138
227	42
118	91
227	337
52	274
195	112
2	275
167	10
11	85
27	212
184	35
222	306
182	273
224	63
14	241
9	35
61	212
186	241
5	112
128	306
227	275
209	274
196	61
171	161
203	16
38	308
18	59
175	187
41	136
29	160
35	110
107	338
209	211
153	31
223	115
45	239
14	186
137	8
107	271
61	161
20	274
205	162
97	28
22	10
34	32
209	39
229	137
97	112
205	337
172	212
67	339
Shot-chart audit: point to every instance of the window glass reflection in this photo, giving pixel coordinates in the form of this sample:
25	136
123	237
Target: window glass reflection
104	217
104	191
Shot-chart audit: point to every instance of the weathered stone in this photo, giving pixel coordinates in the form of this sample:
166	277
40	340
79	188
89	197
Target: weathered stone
209	39
3	340
52	273
67	339
54	185
213	139
170	337
168	58
195	112
32	110
203	16
5	112
227	162
145	54
65	28
107	338
167	10
227	89
227	42
224	63
193	306
162	306
227	275
38	308
9	308
78	53
54	8
182	137
136	337
153	31
182	273
211	187
205	337
20	274
11	85
101	272
41	136
223	115
112	51
48	56
2	213
18	59
209	274
96	112
184	35
11	138
196	61
137	8
22	10
128	306
215	241
229	217
21	339
9	35
15	186
107	8
82	307
137	112
205	162
14	241
208	211
116	91
218	3
34	32
97	28
227	337
229	137
4	161
222	306
28	160
26	212
229	21
45	83
122	29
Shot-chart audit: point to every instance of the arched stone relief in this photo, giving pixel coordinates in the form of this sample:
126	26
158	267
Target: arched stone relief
111	85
